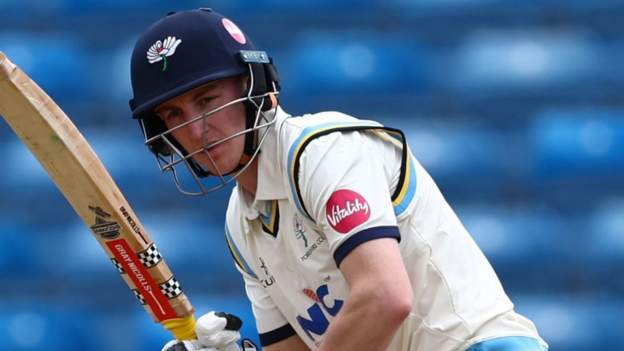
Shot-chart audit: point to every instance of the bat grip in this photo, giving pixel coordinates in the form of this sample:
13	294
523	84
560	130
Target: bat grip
182	328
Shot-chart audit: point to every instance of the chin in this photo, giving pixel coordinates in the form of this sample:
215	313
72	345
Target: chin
224	168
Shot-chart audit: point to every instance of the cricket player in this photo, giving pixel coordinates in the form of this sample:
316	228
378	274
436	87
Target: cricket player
342	238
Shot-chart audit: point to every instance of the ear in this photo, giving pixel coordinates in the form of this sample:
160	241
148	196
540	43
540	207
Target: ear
273	99
243	80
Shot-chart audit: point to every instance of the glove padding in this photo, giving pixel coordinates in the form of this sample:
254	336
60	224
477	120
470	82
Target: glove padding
216	331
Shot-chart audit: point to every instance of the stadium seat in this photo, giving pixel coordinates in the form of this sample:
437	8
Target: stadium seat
56	63
32	325
522	60
530	248
607	228
191	241
604	254
460	153
327	63
573	323
514	235
572	143
20	258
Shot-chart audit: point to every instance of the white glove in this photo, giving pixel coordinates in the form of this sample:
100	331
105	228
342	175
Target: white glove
219	330
216	331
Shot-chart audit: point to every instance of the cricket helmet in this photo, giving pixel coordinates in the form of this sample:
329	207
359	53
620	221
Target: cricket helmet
185	50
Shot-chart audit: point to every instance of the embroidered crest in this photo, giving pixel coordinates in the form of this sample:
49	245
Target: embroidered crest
162	49
300	231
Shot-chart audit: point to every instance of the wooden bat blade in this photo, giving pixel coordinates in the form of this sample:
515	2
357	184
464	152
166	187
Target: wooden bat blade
86	184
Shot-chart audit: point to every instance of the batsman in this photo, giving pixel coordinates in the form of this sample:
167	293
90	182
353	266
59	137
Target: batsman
342	238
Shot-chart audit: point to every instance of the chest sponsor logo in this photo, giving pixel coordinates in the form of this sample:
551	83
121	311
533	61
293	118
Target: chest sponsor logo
315	322
346	210
311	294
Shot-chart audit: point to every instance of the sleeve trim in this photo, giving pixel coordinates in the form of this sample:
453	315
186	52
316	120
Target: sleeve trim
361	237
276	335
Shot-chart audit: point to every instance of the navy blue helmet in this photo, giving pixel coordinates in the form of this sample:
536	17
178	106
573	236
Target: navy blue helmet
185	50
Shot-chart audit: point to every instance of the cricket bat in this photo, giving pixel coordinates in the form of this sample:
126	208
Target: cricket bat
84	181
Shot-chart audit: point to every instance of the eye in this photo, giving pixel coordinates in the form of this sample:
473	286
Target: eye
171	115
204	101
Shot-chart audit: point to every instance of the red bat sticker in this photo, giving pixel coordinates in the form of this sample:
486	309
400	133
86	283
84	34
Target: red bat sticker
144	282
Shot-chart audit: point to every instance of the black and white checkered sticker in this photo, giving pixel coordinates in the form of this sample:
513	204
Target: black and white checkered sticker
171	288
150	257
118	266
139	297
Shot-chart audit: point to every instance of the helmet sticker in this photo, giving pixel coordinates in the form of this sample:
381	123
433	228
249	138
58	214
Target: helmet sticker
160	50
346	210
234	31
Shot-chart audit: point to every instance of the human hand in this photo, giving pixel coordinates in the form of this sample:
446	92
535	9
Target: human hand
216	331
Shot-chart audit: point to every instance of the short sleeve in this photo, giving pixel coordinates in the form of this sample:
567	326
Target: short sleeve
346	180
271	324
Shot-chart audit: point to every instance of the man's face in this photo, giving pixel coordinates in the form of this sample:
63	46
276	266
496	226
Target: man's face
221	158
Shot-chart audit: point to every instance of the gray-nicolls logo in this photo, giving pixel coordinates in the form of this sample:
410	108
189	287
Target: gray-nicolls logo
107	229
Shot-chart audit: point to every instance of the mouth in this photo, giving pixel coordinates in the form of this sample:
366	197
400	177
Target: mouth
214	150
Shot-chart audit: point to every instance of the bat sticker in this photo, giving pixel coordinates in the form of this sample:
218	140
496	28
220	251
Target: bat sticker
133	224
150	257
145	284
105	228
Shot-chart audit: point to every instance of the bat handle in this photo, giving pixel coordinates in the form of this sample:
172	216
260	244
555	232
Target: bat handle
182	328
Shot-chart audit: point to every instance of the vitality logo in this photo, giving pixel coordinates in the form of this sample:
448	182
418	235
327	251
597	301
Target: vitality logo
346	209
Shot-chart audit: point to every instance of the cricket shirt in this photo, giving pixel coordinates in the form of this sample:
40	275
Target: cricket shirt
328	182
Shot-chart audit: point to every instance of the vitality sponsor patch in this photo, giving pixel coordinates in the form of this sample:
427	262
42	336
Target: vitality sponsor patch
234	31
346	210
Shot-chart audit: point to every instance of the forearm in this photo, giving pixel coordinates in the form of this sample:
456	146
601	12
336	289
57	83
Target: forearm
365	322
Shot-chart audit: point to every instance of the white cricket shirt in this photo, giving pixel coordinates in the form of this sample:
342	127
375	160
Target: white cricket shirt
328	182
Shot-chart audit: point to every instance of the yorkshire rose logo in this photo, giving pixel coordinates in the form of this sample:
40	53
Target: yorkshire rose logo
160	50
346	210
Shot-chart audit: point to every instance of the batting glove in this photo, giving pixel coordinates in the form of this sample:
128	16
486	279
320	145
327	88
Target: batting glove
216	331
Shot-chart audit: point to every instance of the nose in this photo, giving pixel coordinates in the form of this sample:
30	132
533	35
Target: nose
196	129
191	135
201	124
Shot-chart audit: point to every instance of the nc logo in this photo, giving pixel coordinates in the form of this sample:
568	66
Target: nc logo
317	322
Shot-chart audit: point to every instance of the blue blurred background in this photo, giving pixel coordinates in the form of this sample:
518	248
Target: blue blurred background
514	107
